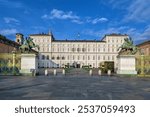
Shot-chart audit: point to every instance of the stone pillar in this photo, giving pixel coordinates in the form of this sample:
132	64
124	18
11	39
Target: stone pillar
14	61
109	72
142	64
29	64
99	72
126	64
55	72
63	72
46	72
90	72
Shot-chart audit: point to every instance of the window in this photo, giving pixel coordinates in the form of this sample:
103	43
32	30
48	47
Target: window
53	58
112	57
83	49
103	57
78	57
98	57
88	57
47	57
78	49
58	58
83	57
108	57
63	58
73	49
93	57
43	57
94	49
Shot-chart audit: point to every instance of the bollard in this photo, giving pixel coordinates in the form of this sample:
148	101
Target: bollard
99	72
35	72
55	72
109	72
90	72
46	72
63	72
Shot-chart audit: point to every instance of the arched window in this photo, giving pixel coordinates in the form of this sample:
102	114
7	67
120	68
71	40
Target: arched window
58	58
63	58
53	58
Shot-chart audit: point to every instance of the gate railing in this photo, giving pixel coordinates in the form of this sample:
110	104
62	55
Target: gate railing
10	63
143	64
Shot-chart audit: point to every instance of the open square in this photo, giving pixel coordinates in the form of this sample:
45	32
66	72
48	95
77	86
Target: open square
73	88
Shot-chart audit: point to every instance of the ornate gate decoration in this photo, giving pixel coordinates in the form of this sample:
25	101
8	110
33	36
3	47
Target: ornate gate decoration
143	65
10	63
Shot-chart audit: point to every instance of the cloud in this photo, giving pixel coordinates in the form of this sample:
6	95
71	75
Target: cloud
132	32
11	4
118	4
96	20
7	32
99	20
62	15
138	11
59	14
11	20
77	21
146	33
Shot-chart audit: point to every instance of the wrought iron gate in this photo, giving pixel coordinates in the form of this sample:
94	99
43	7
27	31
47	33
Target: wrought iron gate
143	65
10	63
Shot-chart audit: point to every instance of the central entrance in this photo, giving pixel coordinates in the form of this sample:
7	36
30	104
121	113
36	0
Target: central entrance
78	65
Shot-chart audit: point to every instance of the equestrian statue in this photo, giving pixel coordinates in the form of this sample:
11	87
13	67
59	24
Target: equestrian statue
28	45
128	47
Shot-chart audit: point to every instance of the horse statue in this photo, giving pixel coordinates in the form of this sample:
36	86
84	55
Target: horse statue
128	47
28	45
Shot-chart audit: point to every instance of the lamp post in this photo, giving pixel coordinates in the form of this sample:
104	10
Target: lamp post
14	61
142	64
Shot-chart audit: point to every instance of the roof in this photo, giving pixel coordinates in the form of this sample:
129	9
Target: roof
144	43
77	41
9	42
43	34
39	34
115	34
19	34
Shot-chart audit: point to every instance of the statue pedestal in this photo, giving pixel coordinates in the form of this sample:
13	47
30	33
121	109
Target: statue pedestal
29	64
126	64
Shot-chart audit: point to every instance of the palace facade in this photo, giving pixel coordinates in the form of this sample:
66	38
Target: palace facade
78	53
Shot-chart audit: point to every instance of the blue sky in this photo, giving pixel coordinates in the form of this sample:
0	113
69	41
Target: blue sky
67	19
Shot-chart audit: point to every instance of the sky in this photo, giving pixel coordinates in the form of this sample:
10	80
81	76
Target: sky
76	19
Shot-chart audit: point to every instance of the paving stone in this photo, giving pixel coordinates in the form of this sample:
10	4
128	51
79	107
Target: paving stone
73	87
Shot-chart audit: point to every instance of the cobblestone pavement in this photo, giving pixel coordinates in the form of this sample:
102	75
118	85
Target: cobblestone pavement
71	88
